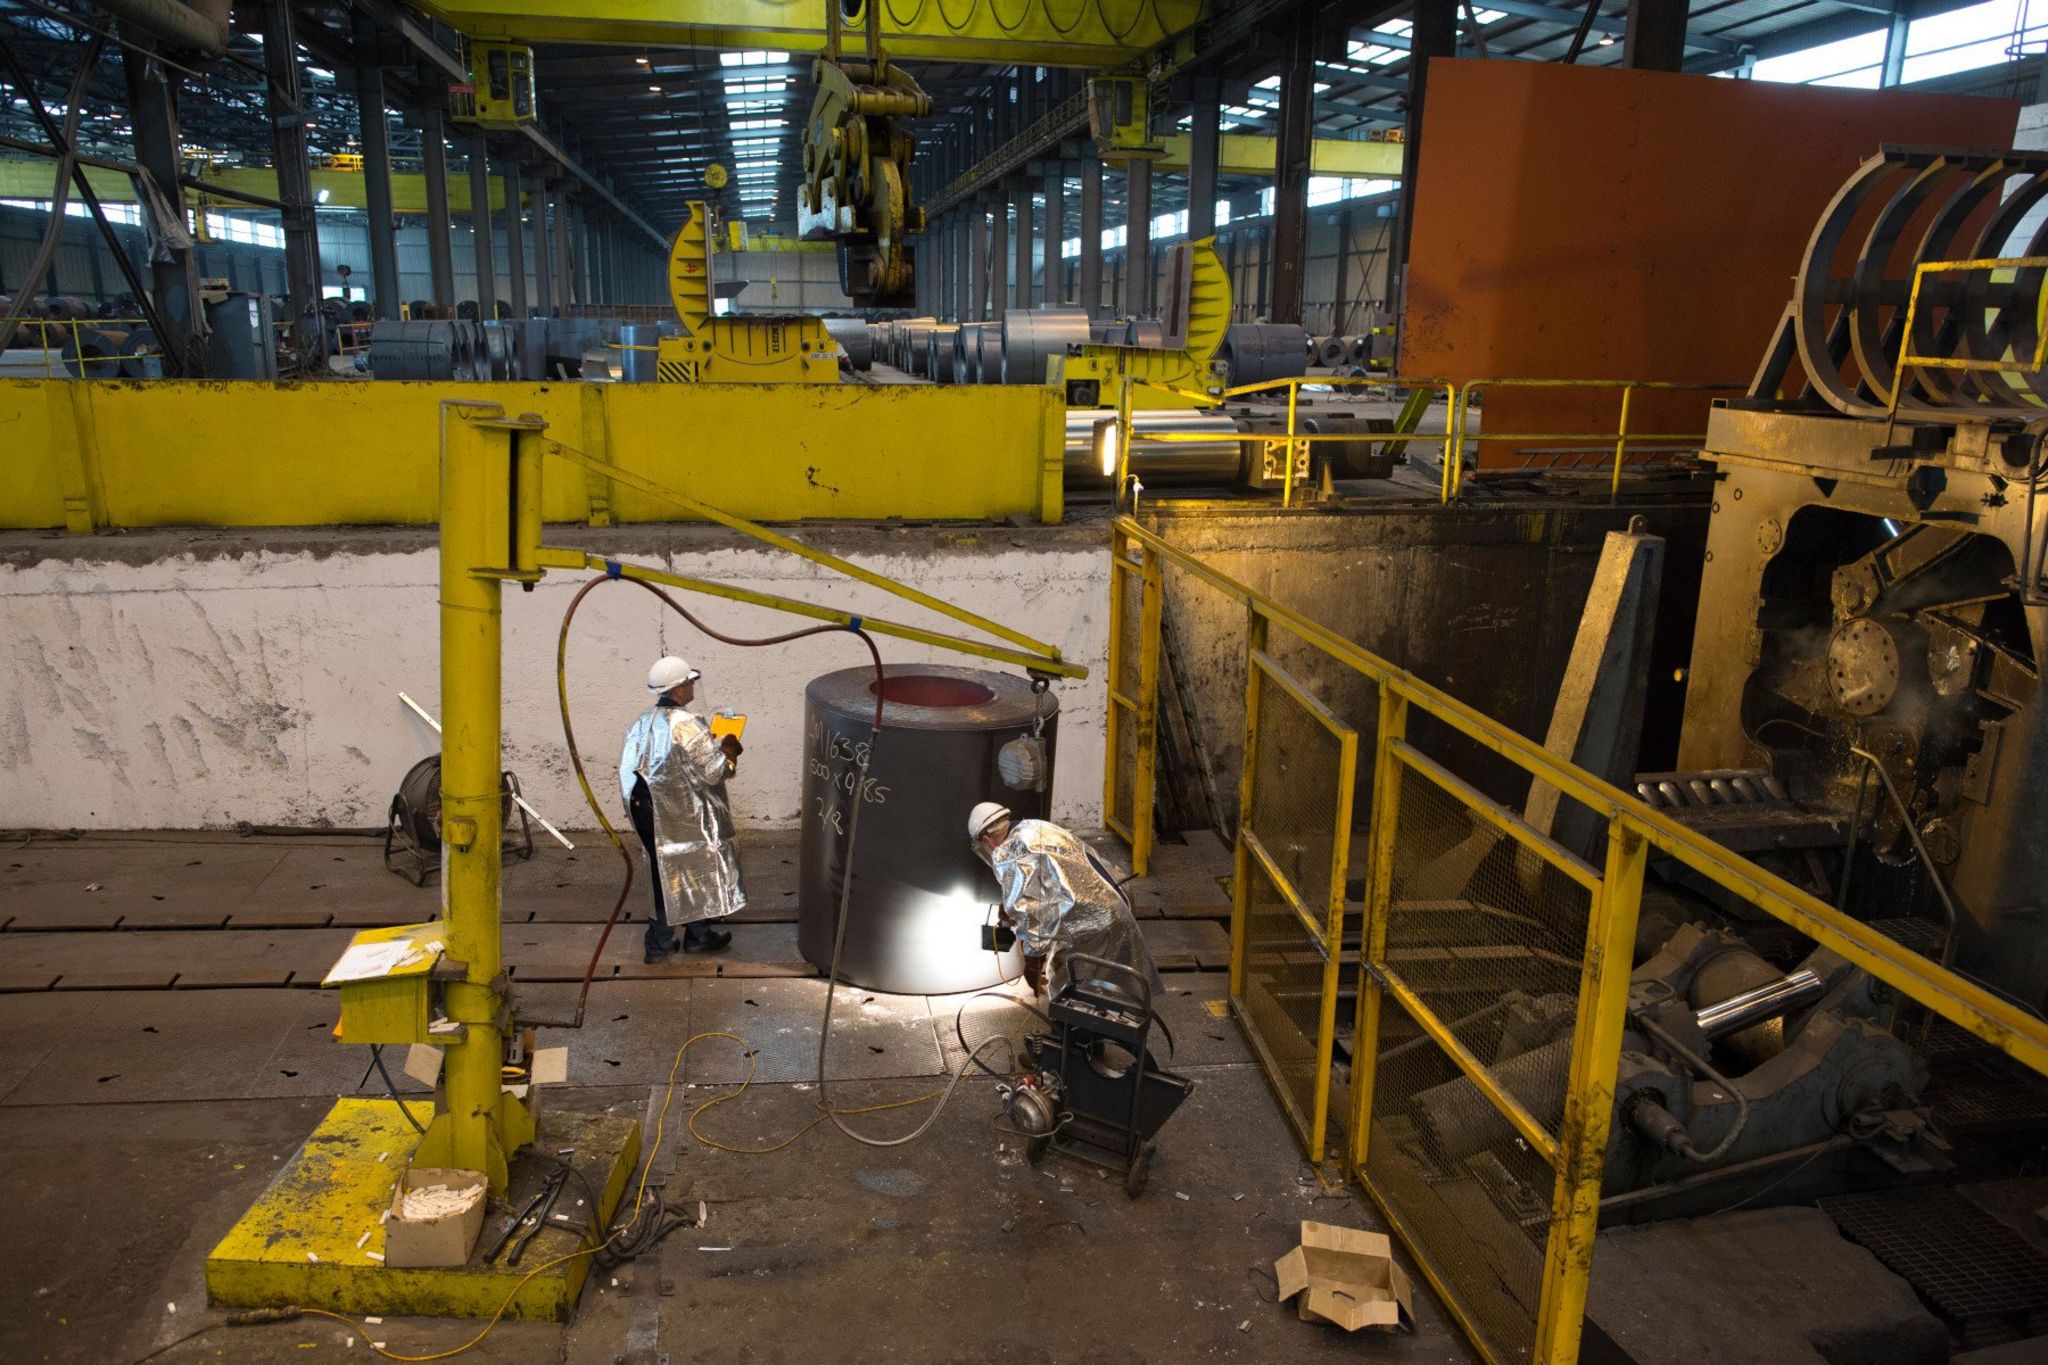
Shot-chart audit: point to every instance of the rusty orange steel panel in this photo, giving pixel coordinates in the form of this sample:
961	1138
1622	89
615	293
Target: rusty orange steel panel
1590	223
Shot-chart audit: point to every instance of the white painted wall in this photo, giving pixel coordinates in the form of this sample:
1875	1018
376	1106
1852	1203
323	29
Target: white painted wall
198	690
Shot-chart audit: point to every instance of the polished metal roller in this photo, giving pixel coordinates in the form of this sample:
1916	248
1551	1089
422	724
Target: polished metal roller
1215	460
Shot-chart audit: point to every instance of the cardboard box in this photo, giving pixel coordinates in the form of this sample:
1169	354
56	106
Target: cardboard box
1346	1276
440	1241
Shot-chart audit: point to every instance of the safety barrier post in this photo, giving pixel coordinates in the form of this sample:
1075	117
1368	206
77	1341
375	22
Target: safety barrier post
1151	595
1287	482
1372	934
1241	860
1621	442
1589	1094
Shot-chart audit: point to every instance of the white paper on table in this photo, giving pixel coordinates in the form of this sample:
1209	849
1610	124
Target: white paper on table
368	961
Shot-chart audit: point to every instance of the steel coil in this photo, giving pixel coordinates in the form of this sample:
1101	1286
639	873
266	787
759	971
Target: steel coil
1030	335
1145	332
1331	351
141	356
1358	349
856	342
1850	296
1108	331
1257	352
66	308
1216	460
94	352
1360	459
940	353
917	348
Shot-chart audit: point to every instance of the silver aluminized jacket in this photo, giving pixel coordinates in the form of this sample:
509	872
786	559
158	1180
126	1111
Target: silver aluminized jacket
1061	899
695	852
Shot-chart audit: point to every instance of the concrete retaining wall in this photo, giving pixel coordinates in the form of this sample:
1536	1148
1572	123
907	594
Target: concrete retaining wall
203	679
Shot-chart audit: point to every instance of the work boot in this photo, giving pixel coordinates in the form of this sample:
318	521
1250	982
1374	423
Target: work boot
658	955
702	939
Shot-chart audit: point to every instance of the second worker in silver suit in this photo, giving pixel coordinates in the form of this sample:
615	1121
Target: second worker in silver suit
1059	897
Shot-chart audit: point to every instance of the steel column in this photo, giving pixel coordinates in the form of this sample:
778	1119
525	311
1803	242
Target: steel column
998	256
561	231
515	241
1204	142
1021	195
1055	288
1655	38
1291	149
375	134
543	254
434	164
174	279
977	261
1138	238
1090	292
480	227
285	103
1434	34
1894	70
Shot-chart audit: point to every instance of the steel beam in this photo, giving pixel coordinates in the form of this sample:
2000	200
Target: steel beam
543	253
1655	40
480	228
998	257
1138	237
1288	245
1203	158
1020	195
434	168
1434	34
1055	285
977	263
285	103
515	242
375	136
1089	293
174	269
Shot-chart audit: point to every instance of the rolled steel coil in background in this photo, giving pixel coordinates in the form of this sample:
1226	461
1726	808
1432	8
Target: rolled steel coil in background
1215	460
917	349
1260	351
94	352
141	357
1360	459
1358	349
1029	335
1108	331
66	308
1903	207
967	354
1145	332
939	364
988	354
439	348
1331	351
856	342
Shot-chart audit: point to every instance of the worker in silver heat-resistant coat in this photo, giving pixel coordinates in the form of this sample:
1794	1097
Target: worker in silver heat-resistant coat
1059	897
672	774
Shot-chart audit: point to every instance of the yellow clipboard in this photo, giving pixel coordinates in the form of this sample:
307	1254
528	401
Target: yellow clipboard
723	725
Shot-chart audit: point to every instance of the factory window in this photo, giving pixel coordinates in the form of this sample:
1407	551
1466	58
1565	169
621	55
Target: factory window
1965	39
1854	62
116	213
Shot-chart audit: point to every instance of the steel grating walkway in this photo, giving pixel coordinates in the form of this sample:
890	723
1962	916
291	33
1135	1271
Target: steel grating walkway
1979	1274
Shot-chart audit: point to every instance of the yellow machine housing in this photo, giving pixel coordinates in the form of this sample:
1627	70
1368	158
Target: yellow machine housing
1198	314
743	348
1120	118
500	89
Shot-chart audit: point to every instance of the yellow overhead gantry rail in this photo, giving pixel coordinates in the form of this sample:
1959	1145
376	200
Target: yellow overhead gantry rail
1079	33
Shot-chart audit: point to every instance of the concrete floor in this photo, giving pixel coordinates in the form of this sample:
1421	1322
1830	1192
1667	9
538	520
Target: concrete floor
167	1052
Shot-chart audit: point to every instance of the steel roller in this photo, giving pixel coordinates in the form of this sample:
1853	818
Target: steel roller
1260	351
1030	335
1902	208
1212	461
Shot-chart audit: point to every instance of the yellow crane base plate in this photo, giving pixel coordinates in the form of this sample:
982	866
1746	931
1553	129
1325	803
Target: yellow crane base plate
302	1241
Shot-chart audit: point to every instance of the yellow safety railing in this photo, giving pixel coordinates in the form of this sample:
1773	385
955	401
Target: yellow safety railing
1621	438
2016	364
1468	909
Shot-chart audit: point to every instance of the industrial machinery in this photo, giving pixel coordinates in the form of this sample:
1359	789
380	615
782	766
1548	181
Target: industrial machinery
1089	1087
412	825
748	348
499	92
1886	678
856	189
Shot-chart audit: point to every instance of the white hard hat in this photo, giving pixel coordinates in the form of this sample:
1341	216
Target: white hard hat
669	673
984	815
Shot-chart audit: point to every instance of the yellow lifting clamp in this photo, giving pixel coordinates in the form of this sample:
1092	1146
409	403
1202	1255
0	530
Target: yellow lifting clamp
743	348
857	169
1197	315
